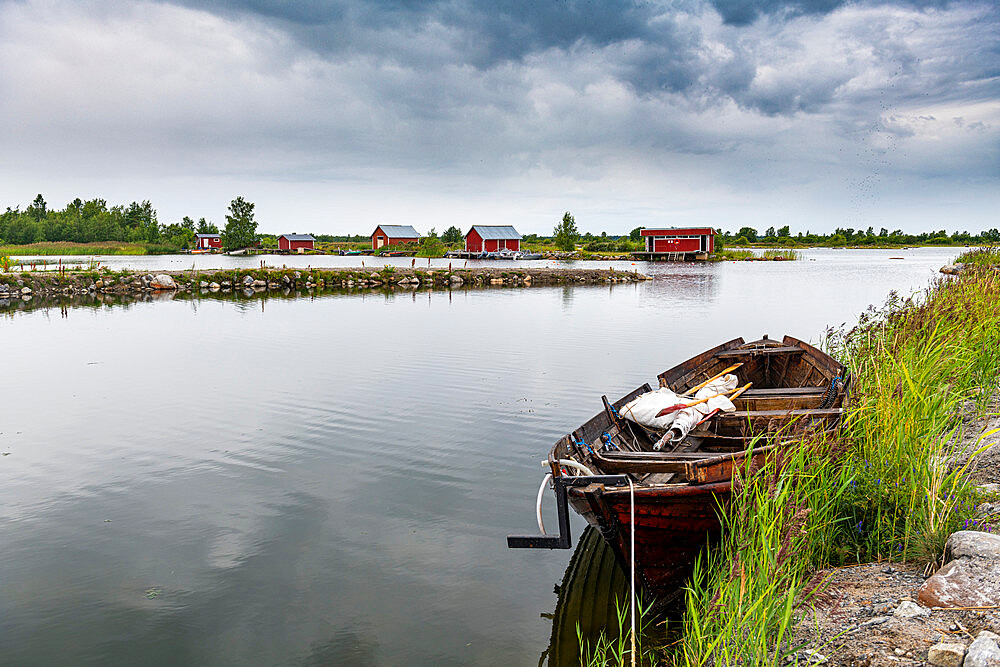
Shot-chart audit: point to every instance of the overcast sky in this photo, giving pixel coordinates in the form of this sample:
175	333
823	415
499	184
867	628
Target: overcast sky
334	116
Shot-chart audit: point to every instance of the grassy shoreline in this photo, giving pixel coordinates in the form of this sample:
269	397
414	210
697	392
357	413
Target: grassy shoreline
51	248
882	491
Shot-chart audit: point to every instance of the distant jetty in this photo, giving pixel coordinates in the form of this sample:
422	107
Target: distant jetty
53	283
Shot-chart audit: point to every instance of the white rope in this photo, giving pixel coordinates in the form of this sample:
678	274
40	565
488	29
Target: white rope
631	498
569	463
538	502
545	480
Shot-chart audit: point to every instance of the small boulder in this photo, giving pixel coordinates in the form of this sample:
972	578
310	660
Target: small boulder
984	651
965	582
214	286
162	282
25	290
907	609
946	655
248	281
972	543
203	283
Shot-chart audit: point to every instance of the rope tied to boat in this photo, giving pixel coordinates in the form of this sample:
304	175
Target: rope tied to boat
608	444
631	499
583	443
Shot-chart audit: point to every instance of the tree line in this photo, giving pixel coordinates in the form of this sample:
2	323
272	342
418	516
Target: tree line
93	220
848	236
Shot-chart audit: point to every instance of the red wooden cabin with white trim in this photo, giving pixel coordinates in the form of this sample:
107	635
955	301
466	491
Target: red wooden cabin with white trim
298	242
207	241
680	239
386	235
491	238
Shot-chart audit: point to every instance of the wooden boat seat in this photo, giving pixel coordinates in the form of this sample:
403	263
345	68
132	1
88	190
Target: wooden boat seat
781	392
759	352
752	414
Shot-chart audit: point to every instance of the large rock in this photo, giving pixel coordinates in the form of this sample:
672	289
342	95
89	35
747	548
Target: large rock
965	582
984	652
162	281
248	281
971	544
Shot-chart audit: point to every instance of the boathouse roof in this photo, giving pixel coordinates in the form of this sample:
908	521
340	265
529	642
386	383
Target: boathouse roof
399	231
207	236
297	237
495	232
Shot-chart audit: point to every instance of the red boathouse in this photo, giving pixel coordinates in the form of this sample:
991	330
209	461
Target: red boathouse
491	238
680	239
385	235
296	242
207	241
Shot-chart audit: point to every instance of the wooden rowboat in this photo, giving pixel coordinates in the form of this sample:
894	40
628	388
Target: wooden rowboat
797	389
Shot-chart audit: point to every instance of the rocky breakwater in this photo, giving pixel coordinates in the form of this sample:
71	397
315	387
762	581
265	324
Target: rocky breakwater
28	285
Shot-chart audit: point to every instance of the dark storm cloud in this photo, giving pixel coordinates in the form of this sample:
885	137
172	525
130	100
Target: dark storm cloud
486	33
744	12
652	47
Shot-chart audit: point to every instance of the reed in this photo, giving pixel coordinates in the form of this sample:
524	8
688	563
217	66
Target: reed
883	491
781	255
985	256
611	649
69	248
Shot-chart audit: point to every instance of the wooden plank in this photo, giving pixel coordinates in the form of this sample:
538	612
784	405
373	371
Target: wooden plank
657	456
784	391
752	414
758	352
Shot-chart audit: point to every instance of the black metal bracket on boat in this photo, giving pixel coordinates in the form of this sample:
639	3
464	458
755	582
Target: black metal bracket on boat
563	540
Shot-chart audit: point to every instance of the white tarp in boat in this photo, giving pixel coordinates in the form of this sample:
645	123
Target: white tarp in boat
643	409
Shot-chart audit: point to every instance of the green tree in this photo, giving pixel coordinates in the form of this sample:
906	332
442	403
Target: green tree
566	233
749	233
241	228
784	232
205	227
38	208
430	245
635	234
452	235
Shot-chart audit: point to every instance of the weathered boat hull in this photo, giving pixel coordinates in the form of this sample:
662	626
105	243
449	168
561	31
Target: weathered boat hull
678	494
672	523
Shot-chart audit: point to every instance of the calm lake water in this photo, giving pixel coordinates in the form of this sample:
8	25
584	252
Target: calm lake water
330	480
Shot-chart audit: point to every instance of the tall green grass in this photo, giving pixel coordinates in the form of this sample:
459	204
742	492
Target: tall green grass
69	248
986	256
883	491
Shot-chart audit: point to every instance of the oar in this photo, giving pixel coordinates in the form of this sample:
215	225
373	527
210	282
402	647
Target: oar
713	378
718	410
682	406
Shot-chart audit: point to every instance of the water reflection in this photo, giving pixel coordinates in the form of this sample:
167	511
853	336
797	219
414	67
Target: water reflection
587	599
242	299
